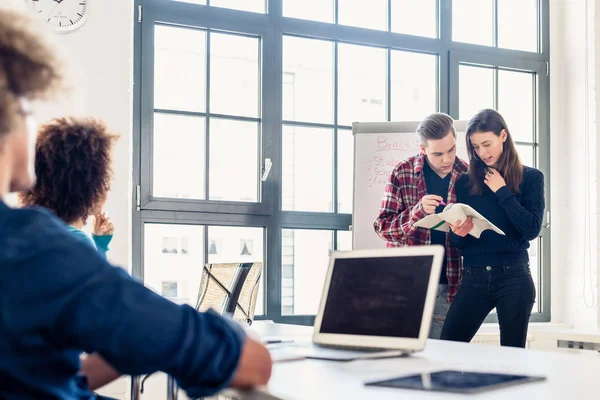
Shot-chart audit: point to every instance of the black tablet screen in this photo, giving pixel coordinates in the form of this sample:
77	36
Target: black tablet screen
455	381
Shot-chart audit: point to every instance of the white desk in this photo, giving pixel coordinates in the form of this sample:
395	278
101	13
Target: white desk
569	376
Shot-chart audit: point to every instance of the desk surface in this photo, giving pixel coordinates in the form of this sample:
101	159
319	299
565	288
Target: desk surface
569	376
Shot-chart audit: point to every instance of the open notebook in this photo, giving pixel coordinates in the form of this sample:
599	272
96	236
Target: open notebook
455	212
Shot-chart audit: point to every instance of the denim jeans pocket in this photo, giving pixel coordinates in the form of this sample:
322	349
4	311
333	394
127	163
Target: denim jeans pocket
474	274
518	280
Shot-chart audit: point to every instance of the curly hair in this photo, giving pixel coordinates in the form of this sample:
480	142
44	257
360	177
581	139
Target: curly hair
28	66
73	167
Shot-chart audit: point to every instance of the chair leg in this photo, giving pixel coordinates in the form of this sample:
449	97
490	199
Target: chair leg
171	389
135	388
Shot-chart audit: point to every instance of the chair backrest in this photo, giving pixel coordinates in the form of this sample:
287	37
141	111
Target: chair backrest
230	288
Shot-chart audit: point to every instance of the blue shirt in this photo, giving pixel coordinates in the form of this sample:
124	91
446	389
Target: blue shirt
519	215
59	299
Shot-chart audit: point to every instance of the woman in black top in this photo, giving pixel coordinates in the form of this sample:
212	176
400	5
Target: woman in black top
496	270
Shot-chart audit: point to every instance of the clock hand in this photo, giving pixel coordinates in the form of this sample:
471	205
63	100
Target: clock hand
52	11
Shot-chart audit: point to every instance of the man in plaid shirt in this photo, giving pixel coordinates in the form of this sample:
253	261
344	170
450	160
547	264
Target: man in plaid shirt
419	186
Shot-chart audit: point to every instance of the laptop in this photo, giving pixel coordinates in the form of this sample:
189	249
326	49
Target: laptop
375	303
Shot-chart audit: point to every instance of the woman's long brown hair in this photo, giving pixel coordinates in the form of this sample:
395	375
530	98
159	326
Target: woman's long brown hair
509	165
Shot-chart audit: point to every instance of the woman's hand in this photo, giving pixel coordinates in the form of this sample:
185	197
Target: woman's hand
494	180
462	229
103	226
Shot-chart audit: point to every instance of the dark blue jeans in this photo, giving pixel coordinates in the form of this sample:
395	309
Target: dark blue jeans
508	288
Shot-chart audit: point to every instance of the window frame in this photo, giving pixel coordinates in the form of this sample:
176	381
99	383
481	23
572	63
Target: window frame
540	144
271	27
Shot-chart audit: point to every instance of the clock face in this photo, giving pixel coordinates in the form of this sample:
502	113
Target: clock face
62	15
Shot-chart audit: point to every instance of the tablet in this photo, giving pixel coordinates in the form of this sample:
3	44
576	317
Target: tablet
456	381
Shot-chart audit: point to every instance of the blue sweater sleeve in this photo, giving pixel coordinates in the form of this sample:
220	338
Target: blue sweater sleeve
95	307
527	215
102	242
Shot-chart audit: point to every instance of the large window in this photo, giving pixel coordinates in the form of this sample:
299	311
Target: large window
206	125
225	88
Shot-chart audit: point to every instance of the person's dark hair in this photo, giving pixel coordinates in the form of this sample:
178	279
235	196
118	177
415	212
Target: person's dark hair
509	164
73	167
28	66
434	127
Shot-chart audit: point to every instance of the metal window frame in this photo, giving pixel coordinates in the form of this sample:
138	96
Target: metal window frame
539	143
271	27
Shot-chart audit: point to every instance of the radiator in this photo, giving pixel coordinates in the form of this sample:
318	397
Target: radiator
493	339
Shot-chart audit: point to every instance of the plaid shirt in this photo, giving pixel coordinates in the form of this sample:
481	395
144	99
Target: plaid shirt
401	207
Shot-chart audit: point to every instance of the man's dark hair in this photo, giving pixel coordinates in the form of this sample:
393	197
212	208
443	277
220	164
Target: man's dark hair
434	127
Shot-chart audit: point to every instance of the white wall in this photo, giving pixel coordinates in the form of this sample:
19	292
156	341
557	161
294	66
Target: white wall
98	59
595	95
573	110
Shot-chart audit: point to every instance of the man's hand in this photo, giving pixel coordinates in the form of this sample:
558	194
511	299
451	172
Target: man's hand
430	203
462	229
97	371
254	368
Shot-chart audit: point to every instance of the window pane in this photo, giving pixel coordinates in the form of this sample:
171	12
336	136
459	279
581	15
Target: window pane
234	150
344	240
179	156
307	80
415	17
314	10
476	90
232	244
303	273
307	169
345	169
244	5
234	75
361	84
534	264
414	81
526	154
179	69
515	103
370	14
173	259
473	21
521	13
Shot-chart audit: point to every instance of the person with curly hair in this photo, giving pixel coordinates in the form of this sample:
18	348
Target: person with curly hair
73	170
60	299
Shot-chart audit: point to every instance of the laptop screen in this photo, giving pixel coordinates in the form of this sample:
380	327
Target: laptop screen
378	296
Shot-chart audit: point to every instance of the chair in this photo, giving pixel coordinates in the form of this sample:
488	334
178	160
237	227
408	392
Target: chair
229	288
